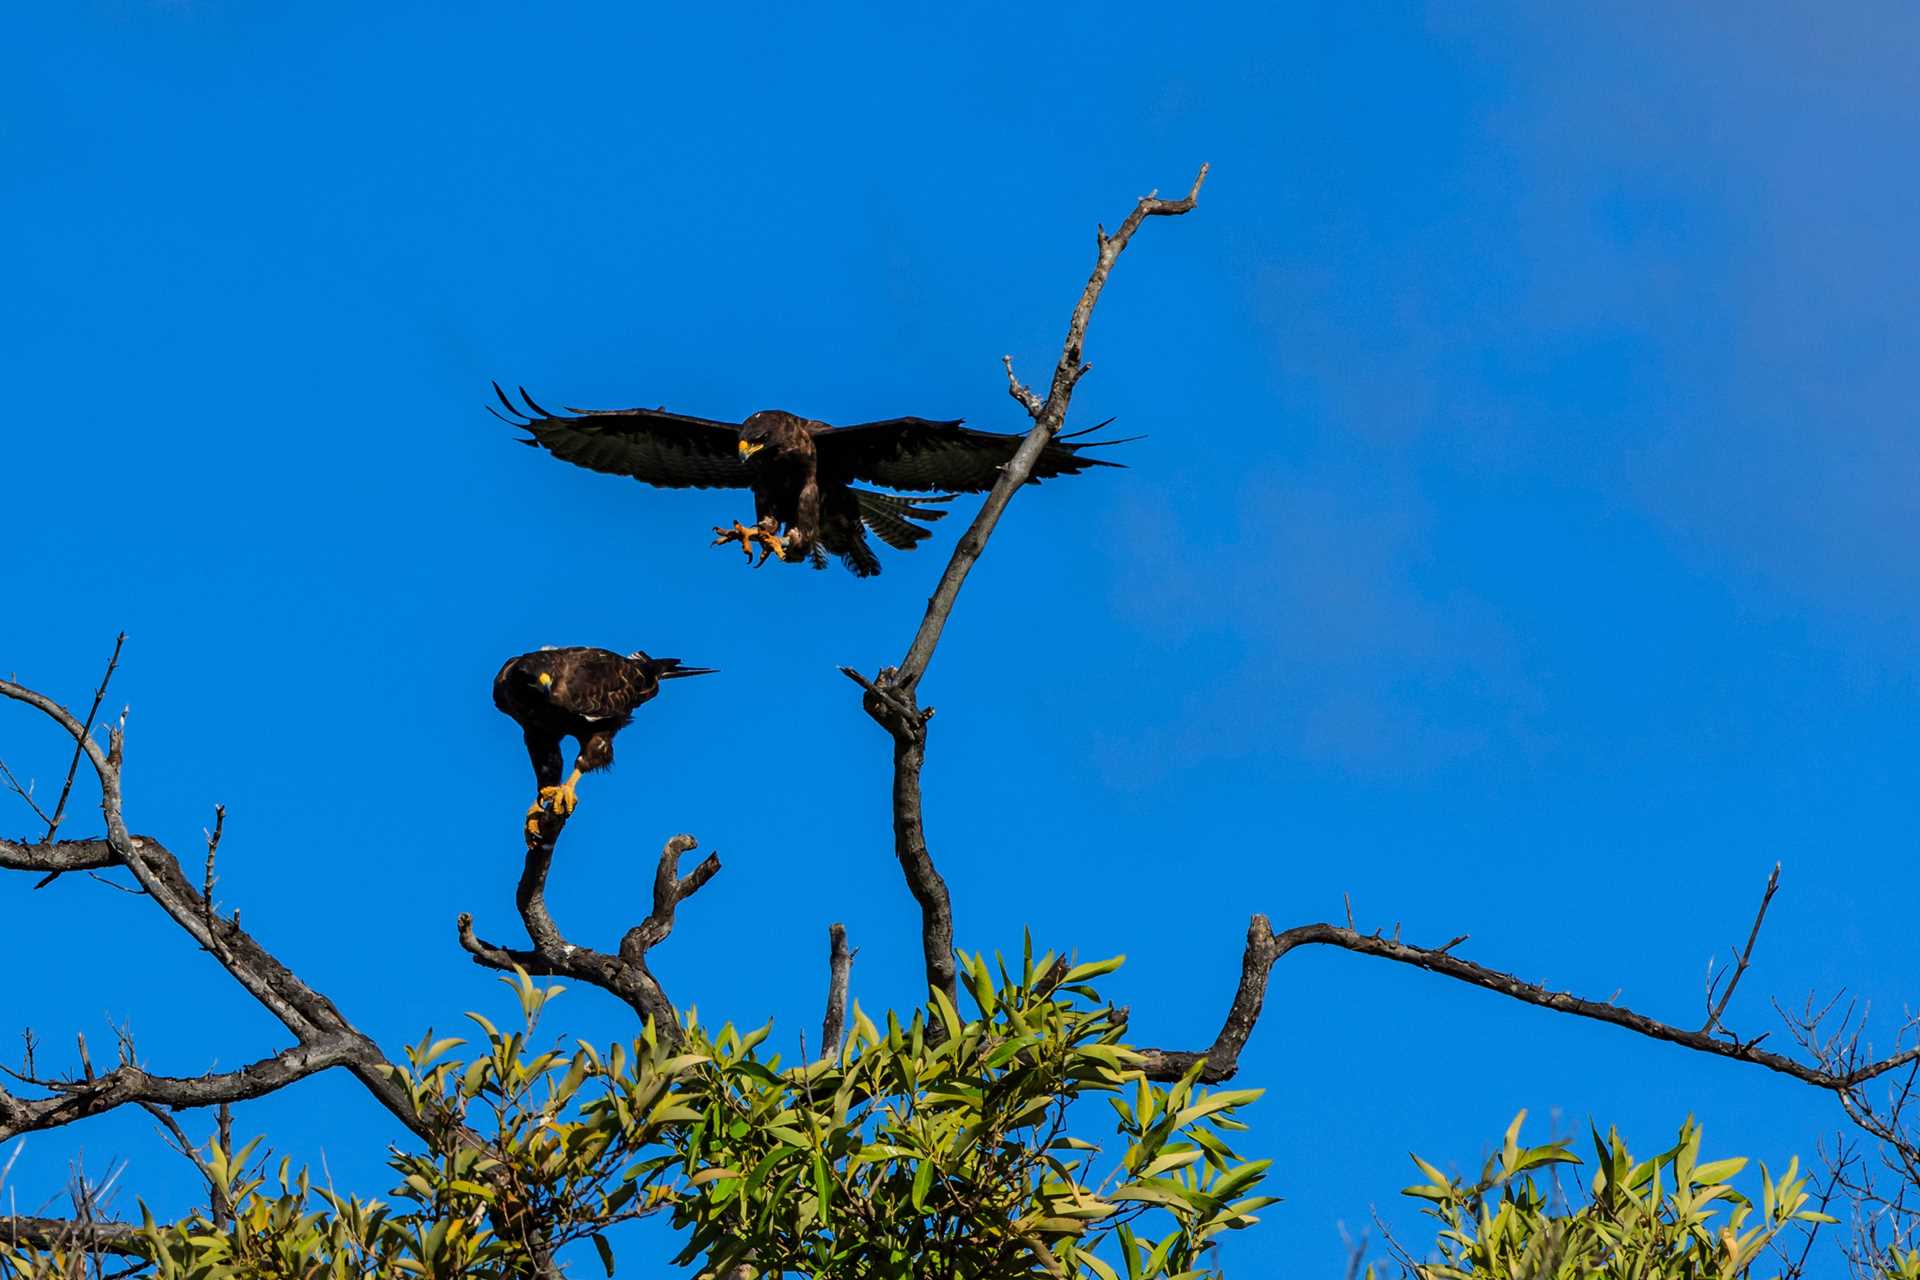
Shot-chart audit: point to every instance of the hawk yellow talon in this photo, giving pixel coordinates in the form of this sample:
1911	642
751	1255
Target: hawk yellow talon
739	533
561	800
771	543
553	802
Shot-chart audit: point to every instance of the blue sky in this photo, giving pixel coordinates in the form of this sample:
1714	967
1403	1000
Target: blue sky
1522	543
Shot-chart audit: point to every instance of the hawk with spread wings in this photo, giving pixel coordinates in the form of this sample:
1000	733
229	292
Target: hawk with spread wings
801	472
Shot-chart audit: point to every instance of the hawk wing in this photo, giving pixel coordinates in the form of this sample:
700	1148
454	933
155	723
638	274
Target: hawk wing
599	684
918	453
653	446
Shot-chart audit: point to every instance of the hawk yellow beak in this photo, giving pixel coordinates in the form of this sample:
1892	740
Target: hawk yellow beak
546	680
748	448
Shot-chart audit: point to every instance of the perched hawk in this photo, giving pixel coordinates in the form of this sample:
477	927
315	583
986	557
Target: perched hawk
581	693
801	471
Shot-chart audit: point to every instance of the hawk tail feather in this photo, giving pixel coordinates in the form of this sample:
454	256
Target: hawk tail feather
670	668
891	516
859	556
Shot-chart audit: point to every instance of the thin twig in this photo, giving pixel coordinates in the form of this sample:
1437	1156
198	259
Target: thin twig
1746	954
216	1193
25	792
207	881
86	727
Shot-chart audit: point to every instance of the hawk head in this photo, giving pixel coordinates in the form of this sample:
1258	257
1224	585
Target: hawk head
769	428
531	679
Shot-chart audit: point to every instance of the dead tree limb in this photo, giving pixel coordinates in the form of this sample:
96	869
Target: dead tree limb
220	1208
62	855
624	973
1745	958
46	1234
312	1018
128	1083
1265	946
1047	415
839	977
891	697
324	1037
73	766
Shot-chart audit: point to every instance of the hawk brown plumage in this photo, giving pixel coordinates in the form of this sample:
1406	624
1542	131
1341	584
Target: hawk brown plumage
582	693
801	471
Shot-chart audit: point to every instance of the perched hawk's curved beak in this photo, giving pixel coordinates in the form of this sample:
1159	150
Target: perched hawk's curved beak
546	682
748	448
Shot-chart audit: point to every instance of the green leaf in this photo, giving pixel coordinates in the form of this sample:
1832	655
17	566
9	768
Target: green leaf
1217	1101
1232	1184
949	1016
1438	1178
605	1251
922	1180
1172	1160
1093	969
1719	1170
1010	1050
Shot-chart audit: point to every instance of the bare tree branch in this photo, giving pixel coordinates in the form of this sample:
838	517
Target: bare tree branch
839	976
624	974
73	765
313	1019
1223	1056
325	1037
76	1099
891	697
1746	956
61	855
895	711
1047	416
25	791
24	1232
217	1203
1265	947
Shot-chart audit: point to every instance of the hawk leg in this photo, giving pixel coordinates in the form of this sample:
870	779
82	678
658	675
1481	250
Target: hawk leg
771	543
558	802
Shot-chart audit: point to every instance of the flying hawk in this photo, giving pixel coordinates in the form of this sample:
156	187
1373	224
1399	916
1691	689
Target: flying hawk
581	693
801	471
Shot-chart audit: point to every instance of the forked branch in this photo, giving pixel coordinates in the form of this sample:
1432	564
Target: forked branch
324	1037
1047	417
320	1028
59	814
891	697
624	974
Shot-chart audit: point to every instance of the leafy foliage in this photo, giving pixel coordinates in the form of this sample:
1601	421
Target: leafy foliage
1670	1217
939	1148
532	1152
